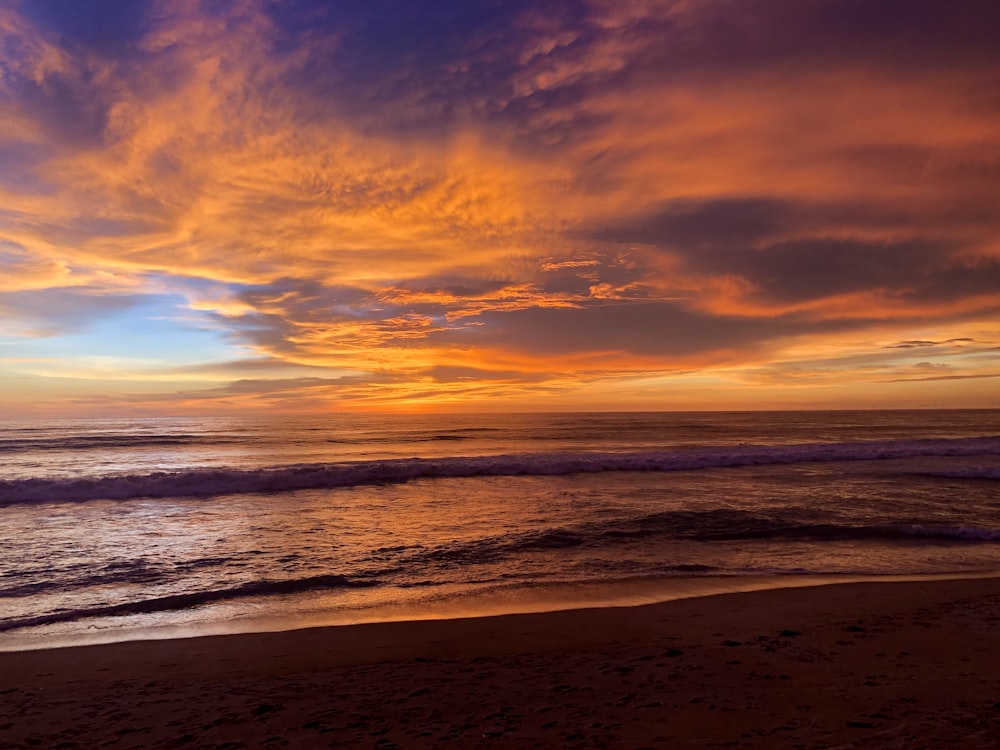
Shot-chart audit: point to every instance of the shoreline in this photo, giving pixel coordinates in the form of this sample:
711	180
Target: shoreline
876	664
542	599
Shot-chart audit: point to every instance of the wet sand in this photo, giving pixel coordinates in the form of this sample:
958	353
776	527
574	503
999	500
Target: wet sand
887	665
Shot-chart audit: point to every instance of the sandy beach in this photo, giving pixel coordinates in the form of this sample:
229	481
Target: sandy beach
888	665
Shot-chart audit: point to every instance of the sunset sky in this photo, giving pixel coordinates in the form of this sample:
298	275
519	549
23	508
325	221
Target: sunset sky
271	206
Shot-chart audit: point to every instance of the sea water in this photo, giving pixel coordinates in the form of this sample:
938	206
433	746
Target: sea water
118	529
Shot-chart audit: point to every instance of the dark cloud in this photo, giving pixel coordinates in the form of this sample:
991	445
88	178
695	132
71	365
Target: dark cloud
923	32
307	299
390	55
284	385
810	269
736	223
454	286
920	343
428	70
744	238
272	332
911	34
976	376
645	328
918	270
690	224
105	25
298	390
973	277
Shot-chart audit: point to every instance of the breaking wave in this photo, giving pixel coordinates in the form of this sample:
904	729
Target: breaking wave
209	482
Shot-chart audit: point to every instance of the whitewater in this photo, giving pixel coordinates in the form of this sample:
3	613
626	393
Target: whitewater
132	528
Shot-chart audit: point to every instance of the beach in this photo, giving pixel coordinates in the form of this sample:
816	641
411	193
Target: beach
899	665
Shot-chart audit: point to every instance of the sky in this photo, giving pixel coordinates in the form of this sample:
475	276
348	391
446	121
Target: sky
282	206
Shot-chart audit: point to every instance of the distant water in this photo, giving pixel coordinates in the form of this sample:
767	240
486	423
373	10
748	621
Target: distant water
113	528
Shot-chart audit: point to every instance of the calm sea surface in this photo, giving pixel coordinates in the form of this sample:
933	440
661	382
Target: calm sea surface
116	529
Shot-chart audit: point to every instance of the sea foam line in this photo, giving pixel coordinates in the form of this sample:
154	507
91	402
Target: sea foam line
209	482
193	599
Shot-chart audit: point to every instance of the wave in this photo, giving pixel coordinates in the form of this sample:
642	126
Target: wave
719	525
888	532
396	440
130	572
715	525
186	601
969	472
209	482
101	442
731	525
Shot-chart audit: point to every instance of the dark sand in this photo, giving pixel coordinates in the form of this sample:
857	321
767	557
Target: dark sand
886	665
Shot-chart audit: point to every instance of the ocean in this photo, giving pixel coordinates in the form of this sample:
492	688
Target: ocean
118	529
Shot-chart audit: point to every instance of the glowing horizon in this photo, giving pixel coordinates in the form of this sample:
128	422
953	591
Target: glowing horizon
265	207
